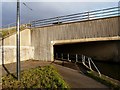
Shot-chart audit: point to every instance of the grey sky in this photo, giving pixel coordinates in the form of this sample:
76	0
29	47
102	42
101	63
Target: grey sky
48	9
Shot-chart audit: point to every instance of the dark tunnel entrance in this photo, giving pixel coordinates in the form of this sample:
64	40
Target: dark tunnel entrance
105	54
102	50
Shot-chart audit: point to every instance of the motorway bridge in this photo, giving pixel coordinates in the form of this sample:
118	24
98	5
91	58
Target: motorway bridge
95	34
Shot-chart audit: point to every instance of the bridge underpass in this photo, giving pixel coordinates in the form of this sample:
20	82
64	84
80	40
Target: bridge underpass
105	54
98	38
75	28
98	50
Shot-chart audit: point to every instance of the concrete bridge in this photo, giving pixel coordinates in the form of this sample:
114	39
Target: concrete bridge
46	40
98	38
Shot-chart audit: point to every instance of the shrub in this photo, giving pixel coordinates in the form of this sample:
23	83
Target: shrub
40	77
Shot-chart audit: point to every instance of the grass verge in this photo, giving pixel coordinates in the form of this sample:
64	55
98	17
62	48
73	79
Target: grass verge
113	84
40	77
9	31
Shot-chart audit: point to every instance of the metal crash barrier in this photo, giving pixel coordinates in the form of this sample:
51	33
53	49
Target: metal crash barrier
89	15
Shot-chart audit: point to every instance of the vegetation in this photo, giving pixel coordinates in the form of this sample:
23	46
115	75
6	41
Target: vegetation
40	77
105	80
10	31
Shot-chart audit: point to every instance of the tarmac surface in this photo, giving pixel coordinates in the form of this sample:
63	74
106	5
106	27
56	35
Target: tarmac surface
72	76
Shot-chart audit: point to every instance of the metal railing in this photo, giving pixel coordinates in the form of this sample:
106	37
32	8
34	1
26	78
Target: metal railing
90	15
76	58
90	62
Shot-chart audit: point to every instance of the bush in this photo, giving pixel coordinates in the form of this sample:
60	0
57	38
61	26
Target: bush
40	77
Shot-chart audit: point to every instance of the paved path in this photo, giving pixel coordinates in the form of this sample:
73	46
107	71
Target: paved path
77	80
11	68
74	78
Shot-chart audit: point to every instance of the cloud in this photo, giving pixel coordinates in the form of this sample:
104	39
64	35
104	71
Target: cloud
43	10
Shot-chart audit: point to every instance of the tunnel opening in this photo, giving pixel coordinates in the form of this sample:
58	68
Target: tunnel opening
107	51
105	54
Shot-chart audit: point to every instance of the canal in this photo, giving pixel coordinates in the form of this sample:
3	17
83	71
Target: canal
109	69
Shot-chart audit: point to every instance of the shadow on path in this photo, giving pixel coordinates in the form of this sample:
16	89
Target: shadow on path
8	72
76	66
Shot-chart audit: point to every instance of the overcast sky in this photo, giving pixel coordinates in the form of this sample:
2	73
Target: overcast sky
41	10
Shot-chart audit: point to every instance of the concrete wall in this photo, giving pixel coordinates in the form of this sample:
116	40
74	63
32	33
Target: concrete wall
25	39
38	42
43	36
9	54
8	48
0	51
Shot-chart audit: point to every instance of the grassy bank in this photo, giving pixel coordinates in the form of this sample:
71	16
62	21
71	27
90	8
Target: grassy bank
11	30
40	77
113	84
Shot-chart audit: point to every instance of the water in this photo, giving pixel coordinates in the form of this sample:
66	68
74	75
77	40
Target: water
109	69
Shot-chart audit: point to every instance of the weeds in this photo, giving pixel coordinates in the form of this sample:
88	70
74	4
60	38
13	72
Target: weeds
105	80
9	31
40	77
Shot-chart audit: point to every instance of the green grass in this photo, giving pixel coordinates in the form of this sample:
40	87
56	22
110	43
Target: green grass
10	31
115	85
40	77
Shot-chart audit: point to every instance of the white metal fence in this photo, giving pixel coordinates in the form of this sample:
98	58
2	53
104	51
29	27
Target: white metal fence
85	60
